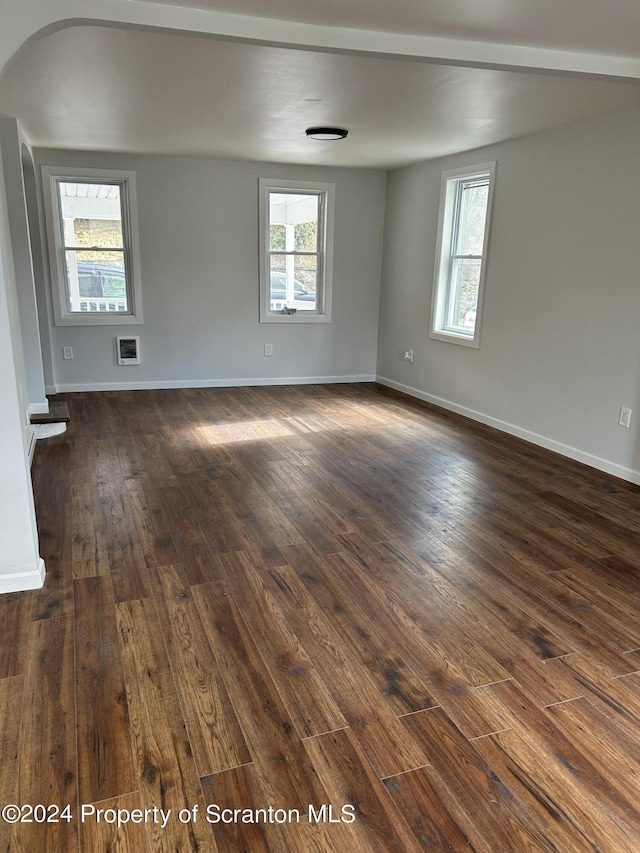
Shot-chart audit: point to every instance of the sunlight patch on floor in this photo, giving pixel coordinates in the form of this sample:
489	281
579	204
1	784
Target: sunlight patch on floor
243	431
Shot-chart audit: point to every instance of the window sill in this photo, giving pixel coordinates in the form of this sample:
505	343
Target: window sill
298	317
453	338
92	318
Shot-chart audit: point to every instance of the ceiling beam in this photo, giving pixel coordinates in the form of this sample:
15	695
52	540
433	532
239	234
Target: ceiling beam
25	20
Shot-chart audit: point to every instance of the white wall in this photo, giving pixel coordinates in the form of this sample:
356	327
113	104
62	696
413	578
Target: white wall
35	219
33	380
20	564
560	343
198	224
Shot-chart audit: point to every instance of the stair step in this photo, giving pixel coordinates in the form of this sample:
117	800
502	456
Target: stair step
58	412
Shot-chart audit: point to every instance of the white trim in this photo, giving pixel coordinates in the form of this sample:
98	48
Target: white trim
44	431
298	317
45	17
21	581
455	338
38	408
630	474
167	384
62	317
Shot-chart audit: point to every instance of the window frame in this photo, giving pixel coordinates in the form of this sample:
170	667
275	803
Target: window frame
51	175
325	251
448	233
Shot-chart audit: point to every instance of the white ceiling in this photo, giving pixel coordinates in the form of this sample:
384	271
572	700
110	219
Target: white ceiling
140	90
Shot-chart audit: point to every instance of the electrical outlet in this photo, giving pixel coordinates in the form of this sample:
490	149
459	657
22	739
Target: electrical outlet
408	355
625	417
268	349
67	352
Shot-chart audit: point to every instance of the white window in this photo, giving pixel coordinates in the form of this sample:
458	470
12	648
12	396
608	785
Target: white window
296	251
463	232
92	230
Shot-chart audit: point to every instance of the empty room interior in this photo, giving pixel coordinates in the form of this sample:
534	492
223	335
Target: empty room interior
320	373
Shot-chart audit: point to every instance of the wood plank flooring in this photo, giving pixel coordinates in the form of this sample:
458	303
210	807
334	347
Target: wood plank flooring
330	597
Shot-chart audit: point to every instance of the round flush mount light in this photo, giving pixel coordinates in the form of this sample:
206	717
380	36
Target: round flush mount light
326	133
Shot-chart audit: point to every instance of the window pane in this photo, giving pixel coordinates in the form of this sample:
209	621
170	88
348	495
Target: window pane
278	264
96	284
463	297
306	282
293	282
91	214
293	222
474	196
278	282
293	228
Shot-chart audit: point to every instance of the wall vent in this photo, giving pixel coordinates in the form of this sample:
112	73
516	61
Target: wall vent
128	350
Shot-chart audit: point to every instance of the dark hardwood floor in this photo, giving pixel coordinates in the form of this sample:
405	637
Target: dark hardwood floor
302	596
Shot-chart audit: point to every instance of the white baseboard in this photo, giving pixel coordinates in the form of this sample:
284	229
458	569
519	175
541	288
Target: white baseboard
50	389
159	384
21	581
605	465
38	408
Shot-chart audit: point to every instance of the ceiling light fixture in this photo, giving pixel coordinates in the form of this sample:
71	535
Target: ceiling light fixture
326	133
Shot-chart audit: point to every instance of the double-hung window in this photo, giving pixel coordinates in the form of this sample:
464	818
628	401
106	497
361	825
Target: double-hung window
463	232
296	251
92	233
